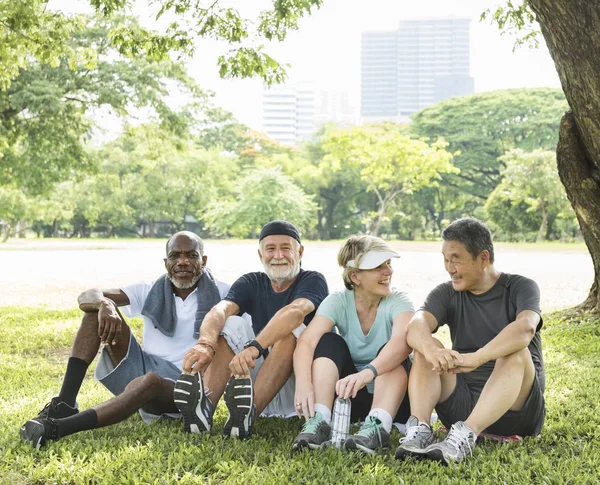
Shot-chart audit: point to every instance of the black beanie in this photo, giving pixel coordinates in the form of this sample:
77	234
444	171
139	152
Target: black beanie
279	228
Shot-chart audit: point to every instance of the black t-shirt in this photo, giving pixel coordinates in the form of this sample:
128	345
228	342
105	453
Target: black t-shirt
254	295
474	320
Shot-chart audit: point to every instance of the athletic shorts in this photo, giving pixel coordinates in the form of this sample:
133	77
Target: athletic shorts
237	332
527	421
136	363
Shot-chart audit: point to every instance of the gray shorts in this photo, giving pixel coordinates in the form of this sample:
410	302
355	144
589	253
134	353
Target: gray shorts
237	332
527	421
135	364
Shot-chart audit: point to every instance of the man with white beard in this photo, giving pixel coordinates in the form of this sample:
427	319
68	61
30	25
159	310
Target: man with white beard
253	363
173	308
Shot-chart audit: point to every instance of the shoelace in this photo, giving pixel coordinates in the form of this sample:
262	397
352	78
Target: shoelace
459	439
312	424
372	425
412	433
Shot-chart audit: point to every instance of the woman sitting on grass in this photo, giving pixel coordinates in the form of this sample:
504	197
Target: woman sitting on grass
371	319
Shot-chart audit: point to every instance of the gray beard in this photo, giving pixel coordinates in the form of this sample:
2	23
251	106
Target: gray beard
180	285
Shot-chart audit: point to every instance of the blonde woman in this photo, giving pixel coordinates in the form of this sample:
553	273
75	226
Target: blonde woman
366	362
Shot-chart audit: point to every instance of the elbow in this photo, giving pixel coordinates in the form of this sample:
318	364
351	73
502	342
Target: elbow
528	333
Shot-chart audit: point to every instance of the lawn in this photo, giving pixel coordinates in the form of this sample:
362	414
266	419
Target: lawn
35	347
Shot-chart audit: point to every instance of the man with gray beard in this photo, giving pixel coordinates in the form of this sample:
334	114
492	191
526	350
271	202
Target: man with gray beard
172	307
252	364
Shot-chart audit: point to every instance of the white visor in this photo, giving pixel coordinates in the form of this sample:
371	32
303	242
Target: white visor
373	259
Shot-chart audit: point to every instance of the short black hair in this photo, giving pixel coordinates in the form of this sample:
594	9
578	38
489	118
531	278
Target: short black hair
473	233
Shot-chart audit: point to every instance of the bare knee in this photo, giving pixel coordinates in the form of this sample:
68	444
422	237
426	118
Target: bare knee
419	359
147	385
519	358
286	345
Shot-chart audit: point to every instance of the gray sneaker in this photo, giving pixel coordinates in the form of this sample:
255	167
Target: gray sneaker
459	443
417	440
315	434
370	437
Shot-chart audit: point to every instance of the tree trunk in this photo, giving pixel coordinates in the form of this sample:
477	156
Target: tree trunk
541	235
571	29
6	231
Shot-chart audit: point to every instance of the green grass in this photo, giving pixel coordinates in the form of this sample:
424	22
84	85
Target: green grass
35	345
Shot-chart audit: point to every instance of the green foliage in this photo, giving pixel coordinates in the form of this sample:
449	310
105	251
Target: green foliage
29	30
263	195
44	122
515	19
479	129
530	185
35	348
192	21
389	162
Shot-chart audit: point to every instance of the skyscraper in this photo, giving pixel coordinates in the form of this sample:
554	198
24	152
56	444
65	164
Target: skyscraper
289	113
421	63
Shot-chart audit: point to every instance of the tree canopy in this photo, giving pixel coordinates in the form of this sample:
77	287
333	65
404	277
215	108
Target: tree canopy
571	31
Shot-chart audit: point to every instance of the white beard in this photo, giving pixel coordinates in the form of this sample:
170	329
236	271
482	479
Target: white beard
281	273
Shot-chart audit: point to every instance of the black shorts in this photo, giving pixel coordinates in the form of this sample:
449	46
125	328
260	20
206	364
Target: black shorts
527	421
332	346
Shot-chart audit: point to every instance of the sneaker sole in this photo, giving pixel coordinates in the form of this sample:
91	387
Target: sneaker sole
188	396
32	433
302	445
438	455
239	398
353	445
417	454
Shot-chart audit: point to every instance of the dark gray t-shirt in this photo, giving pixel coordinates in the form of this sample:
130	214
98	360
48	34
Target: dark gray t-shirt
474	320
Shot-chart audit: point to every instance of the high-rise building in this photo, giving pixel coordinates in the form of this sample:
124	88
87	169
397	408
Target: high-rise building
421	63
289	113
293	113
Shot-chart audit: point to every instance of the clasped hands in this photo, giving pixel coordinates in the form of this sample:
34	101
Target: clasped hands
451	361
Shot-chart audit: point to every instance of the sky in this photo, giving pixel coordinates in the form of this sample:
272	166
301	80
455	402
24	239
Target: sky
325	51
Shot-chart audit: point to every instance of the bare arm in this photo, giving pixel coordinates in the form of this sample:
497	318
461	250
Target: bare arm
397	349
90	300
514	337
284	321
419	337
390	357
199	357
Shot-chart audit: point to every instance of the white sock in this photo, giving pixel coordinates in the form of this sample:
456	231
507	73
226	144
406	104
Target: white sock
384	417
325	412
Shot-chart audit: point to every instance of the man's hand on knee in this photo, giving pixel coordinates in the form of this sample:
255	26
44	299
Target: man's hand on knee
442	359
241	363
109	323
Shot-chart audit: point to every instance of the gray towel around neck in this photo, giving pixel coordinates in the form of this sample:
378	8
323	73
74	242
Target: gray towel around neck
160	303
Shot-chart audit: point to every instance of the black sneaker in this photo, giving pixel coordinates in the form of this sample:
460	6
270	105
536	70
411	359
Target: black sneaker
239	397
57	409
37	431
193	404
370	437
315	434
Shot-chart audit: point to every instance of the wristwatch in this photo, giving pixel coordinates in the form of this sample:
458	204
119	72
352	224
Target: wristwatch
261	351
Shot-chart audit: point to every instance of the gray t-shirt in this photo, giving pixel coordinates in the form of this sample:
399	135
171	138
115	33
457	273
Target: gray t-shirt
474	320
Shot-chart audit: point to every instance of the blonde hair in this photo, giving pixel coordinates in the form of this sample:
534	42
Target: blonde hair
355	248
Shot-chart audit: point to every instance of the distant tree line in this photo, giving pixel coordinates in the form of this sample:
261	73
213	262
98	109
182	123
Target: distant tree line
489	155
